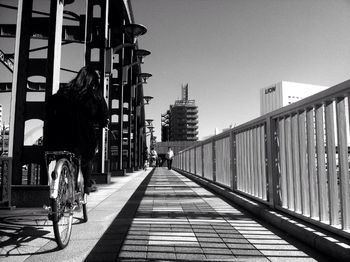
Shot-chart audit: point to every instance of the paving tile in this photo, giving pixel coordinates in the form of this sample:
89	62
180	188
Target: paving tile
259	259
196	250
220	257
138	232
227	231
213	245
232	236
291	259
262	236
267	241
284	253
151	248
220	251
240	246
182	226
189	257
160	255
135	242
274	247
173	243
140	227
160	229
137	237
207	235
234	240
132	254
210	239
181	230
161	226
246	252
137	248
210	231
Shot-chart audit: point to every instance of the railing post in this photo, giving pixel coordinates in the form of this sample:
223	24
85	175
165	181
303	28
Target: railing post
195	160
189	160
213	153
271	162
233	161
202	156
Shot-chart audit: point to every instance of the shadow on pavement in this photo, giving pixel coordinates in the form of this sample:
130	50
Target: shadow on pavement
108	247
17	232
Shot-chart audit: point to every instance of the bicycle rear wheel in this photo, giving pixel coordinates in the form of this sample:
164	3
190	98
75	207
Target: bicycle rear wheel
62	207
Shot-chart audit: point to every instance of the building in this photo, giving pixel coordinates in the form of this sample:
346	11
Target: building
285	93
165	130
180	122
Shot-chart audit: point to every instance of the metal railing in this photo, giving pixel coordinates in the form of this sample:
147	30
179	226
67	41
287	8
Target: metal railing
295	159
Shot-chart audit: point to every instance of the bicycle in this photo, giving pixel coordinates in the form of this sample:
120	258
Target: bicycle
66	184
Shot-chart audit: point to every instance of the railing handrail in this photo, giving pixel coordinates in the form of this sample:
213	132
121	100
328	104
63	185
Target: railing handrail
307	102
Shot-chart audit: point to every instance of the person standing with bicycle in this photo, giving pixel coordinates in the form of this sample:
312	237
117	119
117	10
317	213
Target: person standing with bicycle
73	116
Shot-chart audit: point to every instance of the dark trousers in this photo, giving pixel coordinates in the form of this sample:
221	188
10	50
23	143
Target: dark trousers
170	161
86	169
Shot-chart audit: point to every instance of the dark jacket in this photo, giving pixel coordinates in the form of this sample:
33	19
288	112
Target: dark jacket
71	122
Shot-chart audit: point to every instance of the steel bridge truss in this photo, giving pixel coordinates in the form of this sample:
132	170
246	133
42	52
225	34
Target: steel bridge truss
109	48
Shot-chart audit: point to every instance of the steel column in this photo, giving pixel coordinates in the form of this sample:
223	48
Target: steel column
96	39
18	95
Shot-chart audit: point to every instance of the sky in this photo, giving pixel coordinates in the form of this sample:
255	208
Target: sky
227	50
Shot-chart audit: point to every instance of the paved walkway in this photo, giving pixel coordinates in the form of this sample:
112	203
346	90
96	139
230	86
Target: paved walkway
179	220
160	216
27	235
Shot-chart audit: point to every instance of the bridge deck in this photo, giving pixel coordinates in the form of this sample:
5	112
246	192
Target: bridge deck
179	220
147	217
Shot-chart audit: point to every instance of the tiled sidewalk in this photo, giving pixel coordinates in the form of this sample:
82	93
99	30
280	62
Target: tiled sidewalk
27	235
179	220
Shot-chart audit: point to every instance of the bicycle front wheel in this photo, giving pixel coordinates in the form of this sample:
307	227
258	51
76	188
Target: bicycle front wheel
62	207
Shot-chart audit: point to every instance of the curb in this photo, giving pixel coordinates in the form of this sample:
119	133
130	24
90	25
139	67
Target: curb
325	242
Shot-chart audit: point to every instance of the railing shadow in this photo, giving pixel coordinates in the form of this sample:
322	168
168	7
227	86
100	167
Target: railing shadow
271	246
110	243
191	234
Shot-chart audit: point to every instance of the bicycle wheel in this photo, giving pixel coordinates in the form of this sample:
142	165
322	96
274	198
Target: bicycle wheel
85	216
62	206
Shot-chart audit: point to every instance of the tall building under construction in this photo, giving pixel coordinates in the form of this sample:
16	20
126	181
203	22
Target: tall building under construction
180	122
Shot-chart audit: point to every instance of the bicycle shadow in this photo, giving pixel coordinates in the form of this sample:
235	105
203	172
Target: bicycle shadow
19	235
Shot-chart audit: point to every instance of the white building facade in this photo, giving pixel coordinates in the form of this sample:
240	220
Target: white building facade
285	93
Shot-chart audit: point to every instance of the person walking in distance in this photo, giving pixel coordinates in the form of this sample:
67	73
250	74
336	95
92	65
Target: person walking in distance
154	157
74	117
169	157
